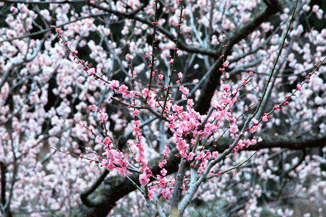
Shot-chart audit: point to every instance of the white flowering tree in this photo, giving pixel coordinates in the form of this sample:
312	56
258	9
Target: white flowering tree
162	108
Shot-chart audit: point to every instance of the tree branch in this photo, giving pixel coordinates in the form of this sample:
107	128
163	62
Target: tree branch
214	78
107	197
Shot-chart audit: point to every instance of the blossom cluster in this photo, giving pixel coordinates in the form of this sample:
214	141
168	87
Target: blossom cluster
130	86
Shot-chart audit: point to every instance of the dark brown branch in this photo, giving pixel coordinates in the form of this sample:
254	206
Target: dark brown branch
96	184
4	205
288	142
293	167
178	185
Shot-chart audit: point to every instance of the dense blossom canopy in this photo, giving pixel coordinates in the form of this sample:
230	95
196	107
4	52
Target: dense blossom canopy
169	100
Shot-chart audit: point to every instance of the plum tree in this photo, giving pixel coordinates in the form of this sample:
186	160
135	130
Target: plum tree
165	107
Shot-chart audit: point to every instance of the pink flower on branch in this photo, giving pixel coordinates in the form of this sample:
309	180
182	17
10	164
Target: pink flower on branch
57	30
91	71
114	84
103	116
136	112
107	141
234	128
163	172
143	179
299	87
264	118
215	154
167	193
184	90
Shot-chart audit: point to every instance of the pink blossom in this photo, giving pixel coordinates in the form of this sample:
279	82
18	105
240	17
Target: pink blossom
103	116
163	172
166	193
306	7
161	164
145	92
143	179
107	141
124	90
276	107
299	87
253	141
201	169
226	87
246	143
234	128
190	156
183	89
264	118
111	166
315	8
91	71
151	194
57	30
105	162
162	181
93	107
129	57
136	112
254	128
190	103
215	154
122	171
200	156
166	152
114	84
